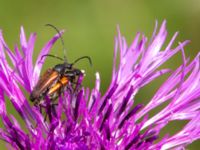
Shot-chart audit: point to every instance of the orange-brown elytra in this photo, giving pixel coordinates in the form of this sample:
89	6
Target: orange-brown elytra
55	80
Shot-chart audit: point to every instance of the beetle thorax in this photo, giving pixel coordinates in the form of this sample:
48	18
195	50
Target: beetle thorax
61	68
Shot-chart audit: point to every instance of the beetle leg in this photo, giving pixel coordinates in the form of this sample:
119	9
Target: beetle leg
45	117
53	108
72	76
50	112
41	106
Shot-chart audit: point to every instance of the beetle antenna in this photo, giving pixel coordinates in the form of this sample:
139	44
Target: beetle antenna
83	57
61	38
49	55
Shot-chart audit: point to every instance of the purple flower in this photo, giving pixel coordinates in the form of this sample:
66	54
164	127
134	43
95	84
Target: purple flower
87	119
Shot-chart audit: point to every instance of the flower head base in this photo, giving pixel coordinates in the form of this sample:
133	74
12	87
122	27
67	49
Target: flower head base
86	119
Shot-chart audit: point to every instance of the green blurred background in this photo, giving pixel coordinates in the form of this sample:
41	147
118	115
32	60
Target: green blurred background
90	29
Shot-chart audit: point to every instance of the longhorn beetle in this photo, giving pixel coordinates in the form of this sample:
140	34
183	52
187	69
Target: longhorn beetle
55	80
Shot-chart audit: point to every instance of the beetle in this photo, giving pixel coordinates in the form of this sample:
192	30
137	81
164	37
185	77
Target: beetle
55	80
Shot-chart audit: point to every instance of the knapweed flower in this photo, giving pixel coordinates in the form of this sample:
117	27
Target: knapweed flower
87	119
